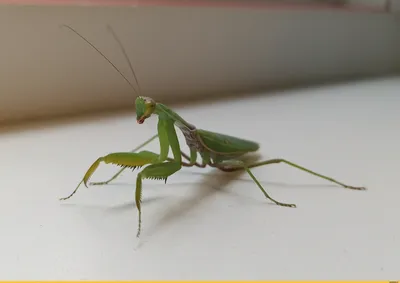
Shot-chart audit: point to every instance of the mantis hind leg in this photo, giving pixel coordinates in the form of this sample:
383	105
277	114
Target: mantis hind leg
234	167
238	164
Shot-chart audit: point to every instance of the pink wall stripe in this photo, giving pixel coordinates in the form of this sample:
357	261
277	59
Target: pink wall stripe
249	4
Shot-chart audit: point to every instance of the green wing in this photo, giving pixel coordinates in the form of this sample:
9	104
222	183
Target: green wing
225	144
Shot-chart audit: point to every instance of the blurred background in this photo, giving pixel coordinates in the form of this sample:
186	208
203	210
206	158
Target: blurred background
185	50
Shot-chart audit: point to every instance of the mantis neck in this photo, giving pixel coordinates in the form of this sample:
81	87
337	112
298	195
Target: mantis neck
164	112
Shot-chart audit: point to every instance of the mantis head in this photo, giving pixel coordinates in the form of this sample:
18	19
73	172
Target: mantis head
145	106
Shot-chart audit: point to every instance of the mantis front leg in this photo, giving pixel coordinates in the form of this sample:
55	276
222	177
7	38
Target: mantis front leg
125	159
164	149
184	155
122	169
132	160
191	158
160	171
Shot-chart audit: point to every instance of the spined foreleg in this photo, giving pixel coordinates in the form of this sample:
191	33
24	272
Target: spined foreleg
124	159
160	171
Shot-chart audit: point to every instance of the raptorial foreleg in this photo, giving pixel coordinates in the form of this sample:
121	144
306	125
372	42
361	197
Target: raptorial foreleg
124	159
122	169
160	171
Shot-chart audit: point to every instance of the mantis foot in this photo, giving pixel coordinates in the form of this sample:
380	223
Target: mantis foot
356	188
99	183
286	204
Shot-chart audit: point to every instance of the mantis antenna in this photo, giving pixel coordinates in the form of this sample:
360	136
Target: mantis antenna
105	57
125	55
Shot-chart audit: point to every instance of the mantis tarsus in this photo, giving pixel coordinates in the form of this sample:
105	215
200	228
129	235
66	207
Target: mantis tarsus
216	150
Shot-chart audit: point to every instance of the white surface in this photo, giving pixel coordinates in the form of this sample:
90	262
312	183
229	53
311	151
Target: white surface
201	225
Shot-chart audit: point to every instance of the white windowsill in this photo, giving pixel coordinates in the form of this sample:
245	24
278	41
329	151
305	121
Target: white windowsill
199	225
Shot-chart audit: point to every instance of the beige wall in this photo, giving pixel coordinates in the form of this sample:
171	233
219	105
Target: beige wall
179	52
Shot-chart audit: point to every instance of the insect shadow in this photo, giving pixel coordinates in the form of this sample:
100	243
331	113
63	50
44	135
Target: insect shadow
119	207
212	183
280	184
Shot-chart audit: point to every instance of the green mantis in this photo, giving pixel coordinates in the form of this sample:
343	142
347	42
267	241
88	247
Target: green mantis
215	150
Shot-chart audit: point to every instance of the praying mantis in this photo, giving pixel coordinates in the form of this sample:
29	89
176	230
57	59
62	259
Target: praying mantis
216	150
